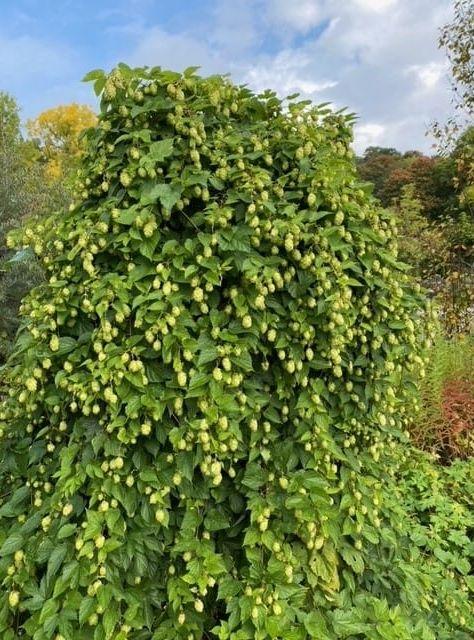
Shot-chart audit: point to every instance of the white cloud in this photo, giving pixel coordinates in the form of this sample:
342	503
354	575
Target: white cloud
429	75
44	67
234	29
24	56
300	15
376	5
368	135
377	57
174	51
286	73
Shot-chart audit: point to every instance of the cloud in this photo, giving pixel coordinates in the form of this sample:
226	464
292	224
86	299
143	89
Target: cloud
300	16
43	67
234	29
24	57
157	47
379	58
369	135
286	73
428	75
376	5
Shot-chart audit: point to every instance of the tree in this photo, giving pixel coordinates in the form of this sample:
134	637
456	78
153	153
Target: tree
422	245
22	195
9	119
57	133
433	182
371	152
204	428
376	166
457	38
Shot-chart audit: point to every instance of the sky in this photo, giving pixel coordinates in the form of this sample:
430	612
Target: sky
378	58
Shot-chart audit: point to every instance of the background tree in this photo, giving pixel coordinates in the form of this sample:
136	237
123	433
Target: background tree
457	39
23	193
376	165
57	134
433	179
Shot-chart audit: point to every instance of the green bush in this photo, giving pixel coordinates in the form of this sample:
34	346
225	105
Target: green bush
444	425
436	509
208	401
23	194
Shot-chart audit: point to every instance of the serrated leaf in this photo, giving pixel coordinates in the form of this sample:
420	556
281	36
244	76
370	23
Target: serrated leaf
165	193
95	74
11	544
86	609
315	625
55	561
161	150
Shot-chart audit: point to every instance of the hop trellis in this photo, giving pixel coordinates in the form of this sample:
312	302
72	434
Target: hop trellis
208	395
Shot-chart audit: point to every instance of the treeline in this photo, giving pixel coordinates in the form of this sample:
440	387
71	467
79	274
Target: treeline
442	184
433	200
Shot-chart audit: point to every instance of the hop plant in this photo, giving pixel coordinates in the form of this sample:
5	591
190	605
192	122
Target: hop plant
207	403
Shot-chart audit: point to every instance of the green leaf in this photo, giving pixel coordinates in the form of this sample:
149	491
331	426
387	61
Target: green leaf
48	610
127	217
86	609
347	623
55	561
254	476
353	558
167	194
66	530
148	246
11	544
110	620
216	520
161	150
315	625
66	345
95	74
198	380
190	71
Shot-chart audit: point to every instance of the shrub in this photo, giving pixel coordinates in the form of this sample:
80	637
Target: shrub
22	195
440	254
445	424
439	502
208	401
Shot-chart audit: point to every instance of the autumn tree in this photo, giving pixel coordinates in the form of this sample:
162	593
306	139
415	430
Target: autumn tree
57	133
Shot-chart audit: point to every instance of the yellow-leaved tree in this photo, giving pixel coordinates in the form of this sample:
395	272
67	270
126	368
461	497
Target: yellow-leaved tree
57	132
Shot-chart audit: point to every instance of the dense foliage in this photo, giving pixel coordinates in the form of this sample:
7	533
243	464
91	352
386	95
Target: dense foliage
205	424
441	255
445	424
57	135
437	181
433	201
439	503
23	195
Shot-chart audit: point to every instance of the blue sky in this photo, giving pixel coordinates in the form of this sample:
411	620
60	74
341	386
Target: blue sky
377	57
